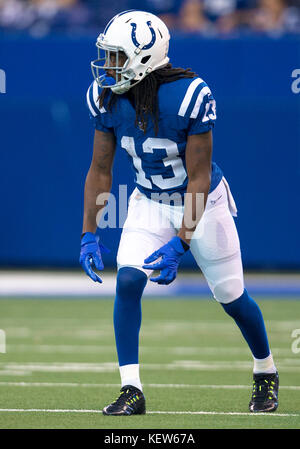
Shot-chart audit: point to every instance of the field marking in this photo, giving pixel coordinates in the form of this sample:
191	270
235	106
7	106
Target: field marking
179	386
221	413
179	350
153	328
64	349
150	412
109	367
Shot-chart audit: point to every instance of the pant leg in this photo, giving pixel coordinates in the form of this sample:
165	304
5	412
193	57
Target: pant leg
145	230
216	248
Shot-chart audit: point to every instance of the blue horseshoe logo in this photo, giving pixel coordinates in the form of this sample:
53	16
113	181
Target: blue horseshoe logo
134	40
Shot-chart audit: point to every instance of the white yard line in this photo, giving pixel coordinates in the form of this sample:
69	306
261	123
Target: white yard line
179	350
109	367
178	386
63	349
220	413
150	412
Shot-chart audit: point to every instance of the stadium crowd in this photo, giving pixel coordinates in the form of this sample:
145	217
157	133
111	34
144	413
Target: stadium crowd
206	17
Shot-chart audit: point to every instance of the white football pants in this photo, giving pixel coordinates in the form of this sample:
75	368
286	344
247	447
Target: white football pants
214	245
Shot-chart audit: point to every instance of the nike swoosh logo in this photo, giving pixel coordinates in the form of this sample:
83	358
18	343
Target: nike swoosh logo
214	201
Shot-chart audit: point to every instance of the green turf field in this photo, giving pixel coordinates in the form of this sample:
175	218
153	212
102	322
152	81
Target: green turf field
60	365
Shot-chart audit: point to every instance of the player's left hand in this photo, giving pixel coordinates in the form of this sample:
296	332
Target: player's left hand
170	254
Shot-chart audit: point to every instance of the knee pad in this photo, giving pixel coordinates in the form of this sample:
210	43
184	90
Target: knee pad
130	282
228	290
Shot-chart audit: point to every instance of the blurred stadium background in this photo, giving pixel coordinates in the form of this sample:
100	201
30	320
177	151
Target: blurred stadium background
248	51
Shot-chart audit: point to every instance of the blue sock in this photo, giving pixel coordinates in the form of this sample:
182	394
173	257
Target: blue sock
249	319
128	313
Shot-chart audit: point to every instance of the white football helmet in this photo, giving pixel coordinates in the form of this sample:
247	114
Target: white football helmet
144	39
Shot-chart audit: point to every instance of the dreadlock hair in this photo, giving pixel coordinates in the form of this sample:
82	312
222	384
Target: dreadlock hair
145	94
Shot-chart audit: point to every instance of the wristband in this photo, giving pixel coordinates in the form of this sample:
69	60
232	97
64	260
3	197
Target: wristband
185	245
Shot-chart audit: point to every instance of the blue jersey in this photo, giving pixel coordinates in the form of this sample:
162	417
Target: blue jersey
186	107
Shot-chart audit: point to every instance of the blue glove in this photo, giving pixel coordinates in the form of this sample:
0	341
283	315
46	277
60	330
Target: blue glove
170	254
91	253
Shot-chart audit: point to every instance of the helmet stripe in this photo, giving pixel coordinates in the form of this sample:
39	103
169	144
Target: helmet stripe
118	15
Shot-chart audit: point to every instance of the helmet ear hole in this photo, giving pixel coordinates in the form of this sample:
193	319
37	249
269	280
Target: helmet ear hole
145	59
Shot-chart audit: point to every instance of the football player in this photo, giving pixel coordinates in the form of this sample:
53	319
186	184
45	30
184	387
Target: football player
163	118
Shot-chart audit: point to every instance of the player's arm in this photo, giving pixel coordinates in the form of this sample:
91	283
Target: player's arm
98	181
198	164
99	178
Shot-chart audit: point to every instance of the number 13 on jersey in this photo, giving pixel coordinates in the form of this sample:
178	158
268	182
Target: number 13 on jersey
172	160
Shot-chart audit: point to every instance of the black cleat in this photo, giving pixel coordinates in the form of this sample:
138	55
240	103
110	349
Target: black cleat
130	402
264	393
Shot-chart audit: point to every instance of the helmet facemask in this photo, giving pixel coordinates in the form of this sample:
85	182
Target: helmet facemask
123	77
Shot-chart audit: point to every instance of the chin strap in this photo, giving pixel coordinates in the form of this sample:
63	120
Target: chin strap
121	89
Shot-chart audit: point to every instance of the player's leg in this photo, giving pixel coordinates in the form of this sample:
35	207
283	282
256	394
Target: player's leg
135	246
216	249
144	231
127	322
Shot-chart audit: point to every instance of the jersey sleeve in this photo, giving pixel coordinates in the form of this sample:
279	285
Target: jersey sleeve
99	116
198	108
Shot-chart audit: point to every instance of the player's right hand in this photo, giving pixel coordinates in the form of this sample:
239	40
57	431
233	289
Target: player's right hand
90	253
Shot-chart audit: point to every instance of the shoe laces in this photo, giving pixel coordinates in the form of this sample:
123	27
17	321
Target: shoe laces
127	396
262	389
